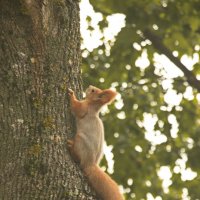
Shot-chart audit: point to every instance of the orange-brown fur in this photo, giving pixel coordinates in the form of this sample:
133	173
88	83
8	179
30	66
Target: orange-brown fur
87	146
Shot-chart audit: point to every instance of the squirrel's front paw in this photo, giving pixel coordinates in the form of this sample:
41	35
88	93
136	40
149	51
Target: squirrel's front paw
70	91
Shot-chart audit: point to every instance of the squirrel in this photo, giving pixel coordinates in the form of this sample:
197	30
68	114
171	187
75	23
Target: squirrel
86	147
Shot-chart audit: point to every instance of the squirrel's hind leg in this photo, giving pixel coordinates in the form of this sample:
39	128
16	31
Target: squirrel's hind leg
70	144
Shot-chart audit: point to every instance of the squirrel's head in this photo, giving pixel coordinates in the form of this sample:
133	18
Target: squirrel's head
102	97
92	92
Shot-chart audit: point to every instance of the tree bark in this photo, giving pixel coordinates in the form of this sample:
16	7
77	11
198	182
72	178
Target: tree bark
39	59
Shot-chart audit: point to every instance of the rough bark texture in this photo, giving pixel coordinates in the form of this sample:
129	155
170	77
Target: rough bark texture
39	59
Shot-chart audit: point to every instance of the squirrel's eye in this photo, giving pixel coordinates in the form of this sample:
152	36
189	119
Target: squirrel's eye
92	90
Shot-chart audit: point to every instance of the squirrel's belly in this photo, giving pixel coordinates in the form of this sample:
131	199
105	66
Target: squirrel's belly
93	134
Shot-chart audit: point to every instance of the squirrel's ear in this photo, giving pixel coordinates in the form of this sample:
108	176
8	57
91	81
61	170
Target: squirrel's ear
107	96
102	95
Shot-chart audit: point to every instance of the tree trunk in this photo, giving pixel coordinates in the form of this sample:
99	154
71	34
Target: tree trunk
39	59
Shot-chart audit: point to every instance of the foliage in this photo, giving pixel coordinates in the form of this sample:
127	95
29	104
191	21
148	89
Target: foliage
138	158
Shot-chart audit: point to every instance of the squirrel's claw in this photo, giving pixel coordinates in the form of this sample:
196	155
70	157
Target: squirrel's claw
70	91
70	143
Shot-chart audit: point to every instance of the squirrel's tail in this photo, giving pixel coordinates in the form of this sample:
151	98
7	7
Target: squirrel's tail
104	186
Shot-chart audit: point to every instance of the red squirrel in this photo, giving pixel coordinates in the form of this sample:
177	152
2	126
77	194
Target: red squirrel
87	146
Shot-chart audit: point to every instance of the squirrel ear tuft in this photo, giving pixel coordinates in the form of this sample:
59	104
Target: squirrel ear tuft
107	96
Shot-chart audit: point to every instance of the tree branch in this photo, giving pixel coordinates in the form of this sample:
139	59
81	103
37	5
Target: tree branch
157	43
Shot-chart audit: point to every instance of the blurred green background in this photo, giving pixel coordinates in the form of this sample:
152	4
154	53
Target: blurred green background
150	54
